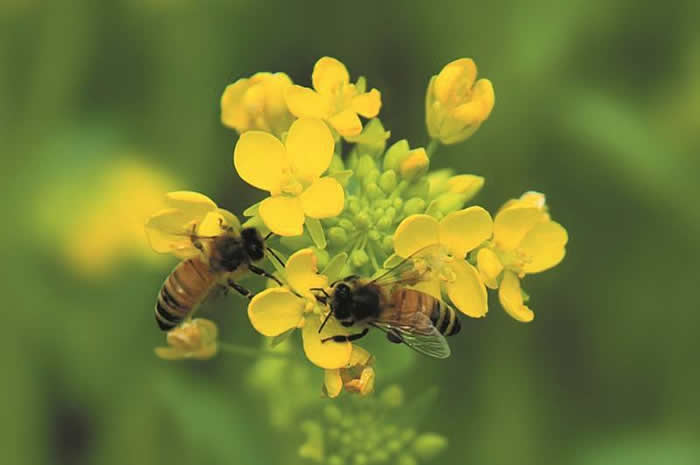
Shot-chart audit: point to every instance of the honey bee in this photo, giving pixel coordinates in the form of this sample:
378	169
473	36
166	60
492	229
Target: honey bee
406	315
222	259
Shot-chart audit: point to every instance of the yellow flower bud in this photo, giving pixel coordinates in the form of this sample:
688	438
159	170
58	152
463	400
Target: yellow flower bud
193	339
415	164
455	104
257	103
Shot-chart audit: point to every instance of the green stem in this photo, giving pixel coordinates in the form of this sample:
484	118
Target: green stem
432	147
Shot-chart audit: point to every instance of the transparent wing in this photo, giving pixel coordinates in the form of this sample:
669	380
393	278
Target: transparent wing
410	271
419	334
169	231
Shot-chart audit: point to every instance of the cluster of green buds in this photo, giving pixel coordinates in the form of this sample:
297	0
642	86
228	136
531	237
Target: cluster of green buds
363	435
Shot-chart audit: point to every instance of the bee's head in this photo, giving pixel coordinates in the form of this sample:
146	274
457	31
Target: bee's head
341	304
253	243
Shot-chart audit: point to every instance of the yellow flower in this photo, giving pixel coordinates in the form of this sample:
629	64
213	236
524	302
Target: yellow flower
291	172
334	99
442	248
455	105
186	213
192	339
525	241
257	103
277	310
357	376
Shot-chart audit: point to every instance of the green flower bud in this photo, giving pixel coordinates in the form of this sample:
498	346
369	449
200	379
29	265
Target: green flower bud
374	235
352	203
337	236
398	203
388	181
449	202
321	257
377	213
390	213
362	219
371	177
428	445
395	154
392	396
373	138
346	224
414	205
364	165
373	191
333	414
407	460
419	189
359	258
388	243
383	203
415	164
384	223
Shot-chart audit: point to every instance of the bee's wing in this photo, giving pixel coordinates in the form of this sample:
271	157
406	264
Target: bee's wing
406	272
419	334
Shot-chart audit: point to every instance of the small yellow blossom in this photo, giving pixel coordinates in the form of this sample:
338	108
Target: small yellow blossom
277	310
257	103
187	213
192	339
455	105
334	98
357	376
442	247
525	241
291	172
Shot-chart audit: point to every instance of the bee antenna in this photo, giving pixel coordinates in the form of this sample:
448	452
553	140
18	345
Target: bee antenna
325	321
272	252
268	235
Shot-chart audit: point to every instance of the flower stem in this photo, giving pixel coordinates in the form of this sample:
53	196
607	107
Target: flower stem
432	147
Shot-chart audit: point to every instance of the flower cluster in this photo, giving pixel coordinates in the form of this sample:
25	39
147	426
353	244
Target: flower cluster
342	202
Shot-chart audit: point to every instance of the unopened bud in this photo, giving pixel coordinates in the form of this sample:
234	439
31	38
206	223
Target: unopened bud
414	164
388	181
395	154
414	205
359	258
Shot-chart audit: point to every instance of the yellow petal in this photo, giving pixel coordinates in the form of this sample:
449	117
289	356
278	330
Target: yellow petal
415	233
190	203
233	114
328	354
544	246
302	272
260	160
490	267
511	226
282	215
333	383
483	93
453	78
323	199
275	311
512	299
167	233
304	102
169	353
359	356
367	104
467	292
462	231
329	75
346	123
212	223
430	287
309	148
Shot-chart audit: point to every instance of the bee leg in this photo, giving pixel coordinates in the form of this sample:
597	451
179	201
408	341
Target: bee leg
261	272
347	338
240	289
394	337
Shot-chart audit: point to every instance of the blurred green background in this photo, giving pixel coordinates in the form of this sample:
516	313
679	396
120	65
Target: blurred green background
105	104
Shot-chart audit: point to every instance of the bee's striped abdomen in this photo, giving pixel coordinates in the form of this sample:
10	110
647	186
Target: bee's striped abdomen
187	285
408	302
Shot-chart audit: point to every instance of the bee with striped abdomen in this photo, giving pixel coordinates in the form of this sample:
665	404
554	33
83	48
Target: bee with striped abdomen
208	261
406	315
